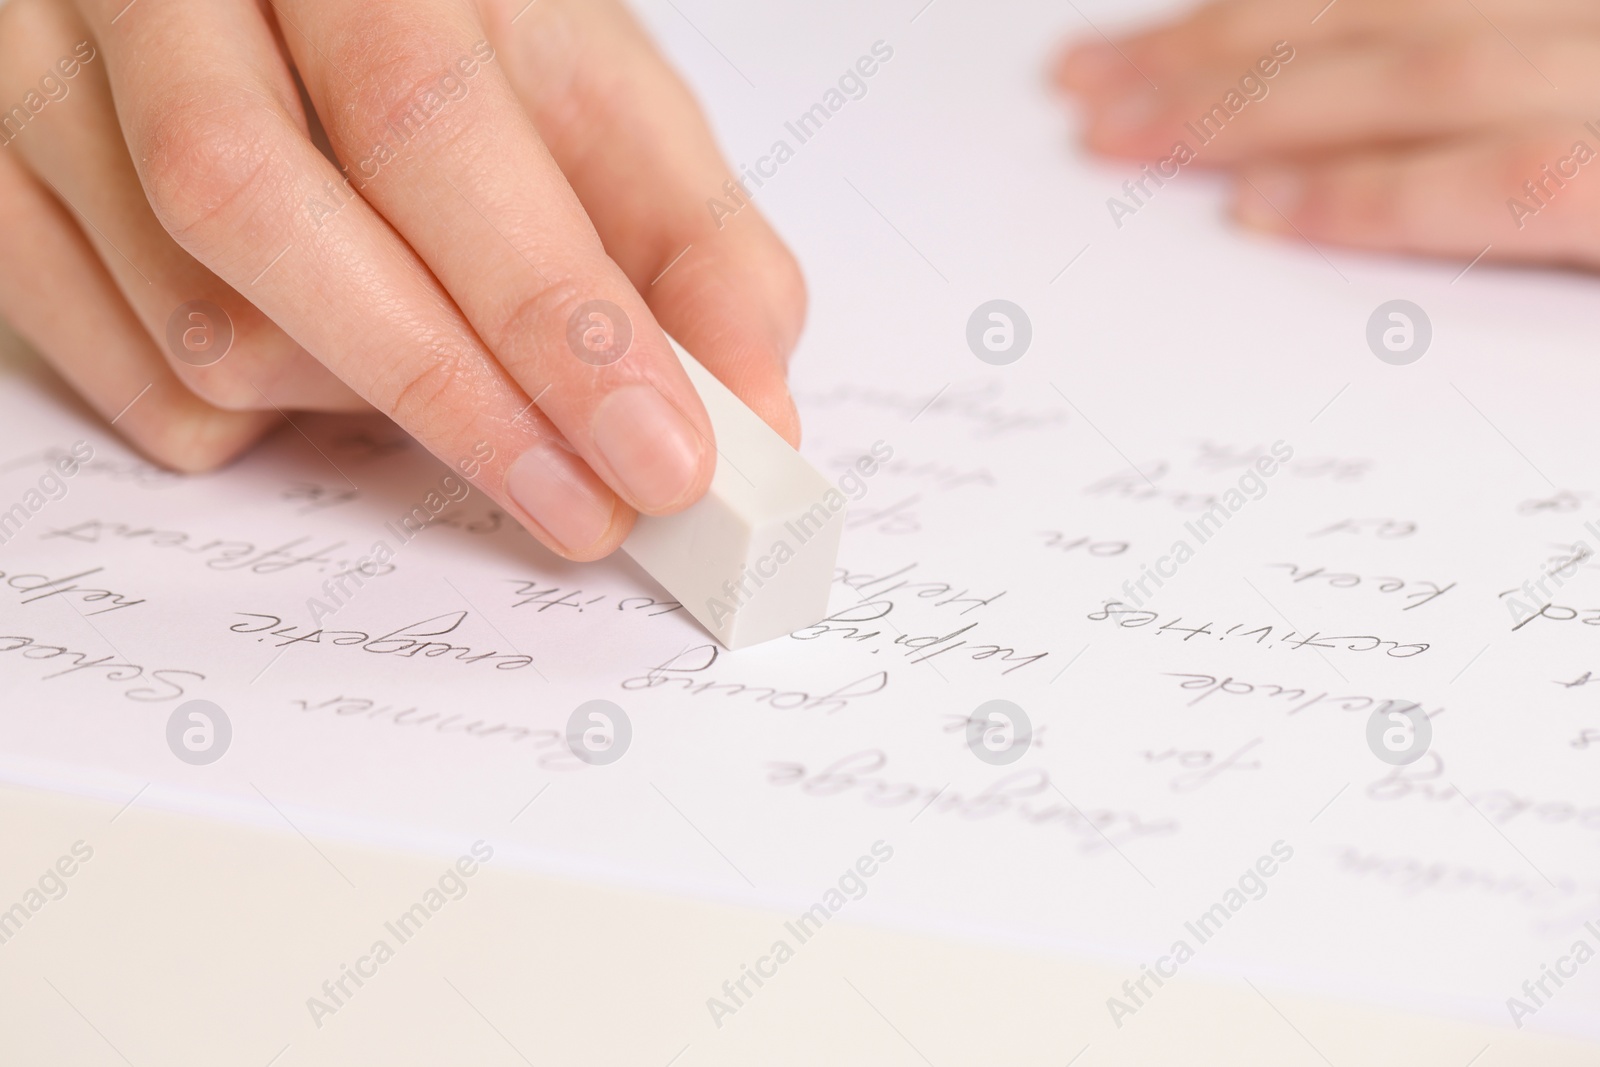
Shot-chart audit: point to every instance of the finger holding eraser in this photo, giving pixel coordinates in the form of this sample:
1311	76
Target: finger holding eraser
753	559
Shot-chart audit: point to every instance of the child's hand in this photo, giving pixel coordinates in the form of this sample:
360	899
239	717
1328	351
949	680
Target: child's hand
512	176
1405	125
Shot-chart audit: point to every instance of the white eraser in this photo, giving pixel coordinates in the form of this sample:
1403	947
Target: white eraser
754	558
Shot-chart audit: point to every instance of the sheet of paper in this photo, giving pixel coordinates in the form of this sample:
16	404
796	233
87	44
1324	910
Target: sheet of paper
1204	769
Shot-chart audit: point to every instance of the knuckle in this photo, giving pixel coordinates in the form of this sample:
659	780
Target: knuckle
425	396
257	357
202	160
409	81
541	315
1527	161
195	442
1544	173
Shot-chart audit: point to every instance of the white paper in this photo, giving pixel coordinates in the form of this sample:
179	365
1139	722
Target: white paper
1169	355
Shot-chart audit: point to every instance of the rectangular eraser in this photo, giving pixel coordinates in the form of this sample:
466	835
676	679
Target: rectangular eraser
753	559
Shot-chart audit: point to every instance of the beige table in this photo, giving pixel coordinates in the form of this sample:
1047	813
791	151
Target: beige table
185	941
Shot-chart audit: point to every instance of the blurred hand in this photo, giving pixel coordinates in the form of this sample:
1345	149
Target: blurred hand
482	243
1435	127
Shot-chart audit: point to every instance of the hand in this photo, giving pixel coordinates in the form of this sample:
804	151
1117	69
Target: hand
488	171
1425	126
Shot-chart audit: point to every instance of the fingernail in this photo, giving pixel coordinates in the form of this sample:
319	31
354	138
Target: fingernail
1268	197
562	495
651	448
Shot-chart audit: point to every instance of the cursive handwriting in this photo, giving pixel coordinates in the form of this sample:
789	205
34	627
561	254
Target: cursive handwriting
893	519
1202	766
163	683
1413	875
315	497
1227	457
218	555
534	593
1064	543
554	754
943	476
686	672
855	624
977	406
45	587
409	641
144	475
1132	618
1382	529
1015	795
1207	685
941	593
1422	591
1424	780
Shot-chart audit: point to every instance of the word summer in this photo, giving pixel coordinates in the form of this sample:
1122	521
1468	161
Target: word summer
851	85
1252	885
1252	485
1252	88
451	885
852	885
851	485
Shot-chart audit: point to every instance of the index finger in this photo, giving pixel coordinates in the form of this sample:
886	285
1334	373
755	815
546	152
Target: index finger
420	111
223	151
